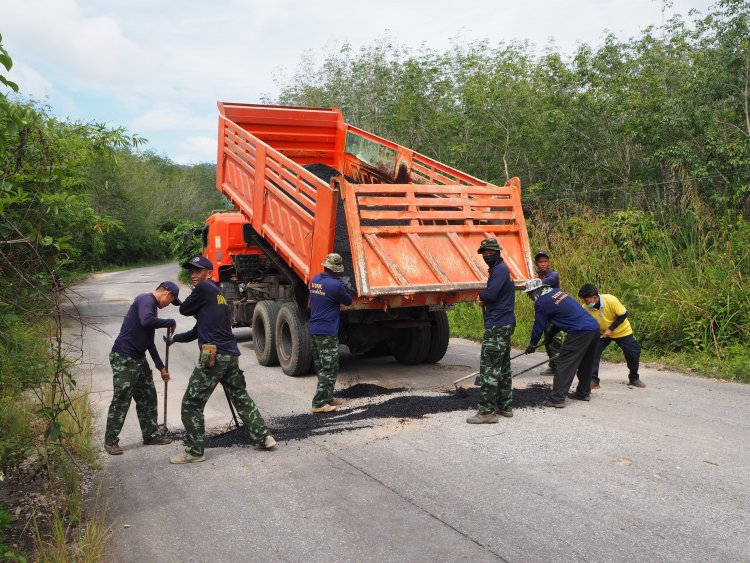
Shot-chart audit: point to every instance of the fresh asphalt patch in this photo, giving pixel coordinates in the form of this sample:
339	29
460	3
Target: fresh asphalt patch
361	390
358	415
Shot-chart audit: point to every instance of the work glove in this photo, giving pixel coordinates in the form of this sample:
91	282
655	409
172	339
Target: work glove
347	282
169	339
530	349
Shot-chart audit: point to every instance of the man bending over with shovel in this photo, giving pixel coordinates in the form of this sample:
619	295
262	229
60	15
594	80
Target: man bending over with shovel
579	348
131	374
218	363
496	392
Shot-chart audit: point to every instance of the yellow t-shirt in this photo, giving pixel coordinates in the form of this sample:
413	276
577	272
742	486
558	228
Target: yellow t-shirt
609	309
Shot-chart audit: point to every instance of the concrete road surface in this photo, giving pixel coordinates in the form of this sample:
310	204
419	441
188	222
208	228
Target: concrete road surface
655	474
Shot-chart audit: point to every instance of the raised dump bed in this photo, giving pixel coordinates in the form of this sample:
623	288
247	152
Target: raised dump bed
306	183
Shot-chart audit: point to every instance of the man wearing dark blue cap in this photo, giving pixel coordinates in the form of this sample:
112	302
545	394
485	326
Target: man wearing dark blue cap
218	363
552	339
131	374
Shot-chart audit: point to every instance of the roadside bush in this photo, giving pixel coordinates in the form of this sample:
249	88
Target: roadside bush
683	283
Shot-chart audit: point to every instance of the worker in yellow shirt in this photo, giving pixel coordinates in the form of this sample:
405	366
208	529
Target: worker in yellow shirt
614	325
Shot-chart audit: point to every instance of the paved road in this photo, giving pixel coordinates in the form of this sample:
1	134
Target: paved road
654	474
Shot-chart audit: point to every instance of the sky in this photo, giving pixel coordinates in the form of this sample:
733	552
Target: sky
158	67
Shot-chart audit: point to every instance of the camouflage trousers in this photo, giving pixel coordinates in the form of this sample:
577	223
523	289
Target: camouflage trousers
202	383
326	359
131	379
552	344
494	370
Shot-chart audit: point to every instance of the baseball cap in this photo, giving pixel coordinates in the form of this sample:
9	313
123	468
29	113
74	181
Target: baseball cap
199	262
173	289
540	254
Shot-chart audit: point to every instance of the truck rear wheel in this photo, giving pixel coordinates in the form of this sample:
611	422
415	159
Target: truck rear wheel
264	332
293	344
414	347
440	334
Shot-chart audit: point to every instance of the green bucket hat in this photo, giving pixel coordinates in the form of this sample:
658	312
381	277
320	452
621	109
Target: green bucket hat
489	244
334	262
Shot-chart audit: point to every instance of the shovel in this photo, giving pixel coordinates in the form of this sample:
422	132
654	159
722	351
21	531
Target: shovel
461	392
162	428
455	383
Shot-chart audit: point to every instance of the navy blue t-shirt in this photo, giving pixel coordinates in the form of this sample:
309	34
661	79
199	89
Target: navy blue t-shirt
214	320
499	297
564	312
327	294
138	327
551	278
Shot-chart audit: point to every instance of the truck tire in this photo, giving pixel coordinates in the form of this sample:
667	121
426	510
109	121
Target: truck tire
414	347
264	332
440	334
293	344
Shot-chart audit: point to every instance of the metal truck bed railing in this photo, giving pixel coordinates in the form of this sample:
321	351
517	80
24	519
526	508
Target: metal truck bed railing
411	238
413	224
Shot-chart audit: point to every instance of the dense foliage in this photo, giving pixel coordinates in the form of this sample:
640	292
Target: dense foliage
634	157
74	197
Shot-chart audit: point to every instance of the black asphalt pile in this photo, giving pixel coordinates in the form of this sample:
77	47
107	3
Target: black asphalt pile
361	390
324	172
341	243
355	417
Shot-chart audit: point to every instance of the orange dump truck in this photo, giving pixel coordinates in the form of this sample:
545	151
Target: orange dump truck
305	183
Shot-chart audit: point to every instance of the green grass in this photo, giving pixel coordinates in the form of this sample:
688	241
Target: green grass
681	279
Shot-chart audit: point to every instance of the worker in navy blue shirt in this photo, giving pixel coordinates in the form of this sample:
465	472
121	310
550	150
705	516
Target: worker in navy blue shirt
552	338
218	363
327	294
578	350
131	374
496	380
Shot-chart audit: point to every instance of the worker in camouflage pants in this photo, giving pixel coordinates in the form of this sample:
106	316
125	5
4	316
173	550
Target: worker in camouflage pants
496	392
131	374
327	294
132	380
325	351
218	363
202	383
496	380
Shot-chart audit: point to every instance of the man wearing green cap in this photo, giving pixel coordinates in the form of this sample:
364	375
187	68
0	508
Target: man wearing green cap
496	392
327	294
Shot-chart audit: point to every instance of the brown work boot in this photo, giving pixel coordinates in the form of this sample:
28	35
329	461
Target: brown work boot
489	418
113	449
268	442
336	402
637	383
595	386
157	441
325	408
506	414
185	457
